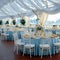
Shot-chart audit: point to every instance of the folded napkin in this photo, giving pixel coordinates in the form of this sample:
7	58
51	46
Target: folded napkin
26	35
53	35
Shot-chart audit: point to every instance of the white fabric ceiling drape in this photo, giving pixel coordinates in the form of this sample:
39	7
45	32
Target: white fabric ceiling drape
17	8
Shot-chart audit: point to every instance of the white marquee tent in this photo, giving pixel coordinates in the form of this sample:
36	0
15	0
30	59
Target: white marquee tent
15	8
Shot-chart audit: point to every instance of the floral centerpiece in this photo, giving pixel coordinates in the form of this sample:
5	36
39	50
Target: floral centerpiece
14	22
7	23
23	21
0	22
39	27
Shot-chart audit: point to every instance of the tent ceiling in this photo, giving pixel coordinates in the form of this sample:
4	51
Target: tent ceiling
12	8
4	2
56	1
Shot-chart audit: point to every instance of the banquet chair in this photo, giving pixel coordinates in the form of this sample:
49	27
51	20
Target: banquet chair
4	34
17	42
44	45
56	43
28	45
58	33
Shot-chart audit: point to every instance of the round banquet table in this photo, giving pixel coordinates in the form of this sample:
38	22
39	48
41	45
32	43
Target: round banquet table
38	41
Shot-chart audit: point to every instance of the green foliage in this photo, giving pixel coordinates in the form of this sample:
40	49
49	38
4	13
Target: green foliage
14	22
16	26
0	22
23	21
39	27
37	19
7	22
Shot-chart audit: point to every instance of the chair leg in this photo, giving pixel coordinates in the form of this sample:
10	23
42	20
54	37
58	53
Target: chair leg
54	49
47	51
34	51
41	52
14	48
57	49
30	53
17	49
3	37
50	52
23	51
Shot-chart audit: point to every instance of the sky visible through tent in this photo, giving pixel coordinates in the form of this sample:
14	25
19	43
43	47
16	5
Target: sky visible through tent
53	19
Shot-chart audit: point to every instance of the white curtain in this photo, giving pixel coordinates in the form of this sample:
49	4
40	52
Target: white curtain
43	18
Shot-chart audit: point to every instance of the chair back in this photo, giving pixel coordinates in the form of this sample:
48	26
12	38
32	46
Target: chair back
26	39
58	32
56	39
45	41
48	34
4	28
15	36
